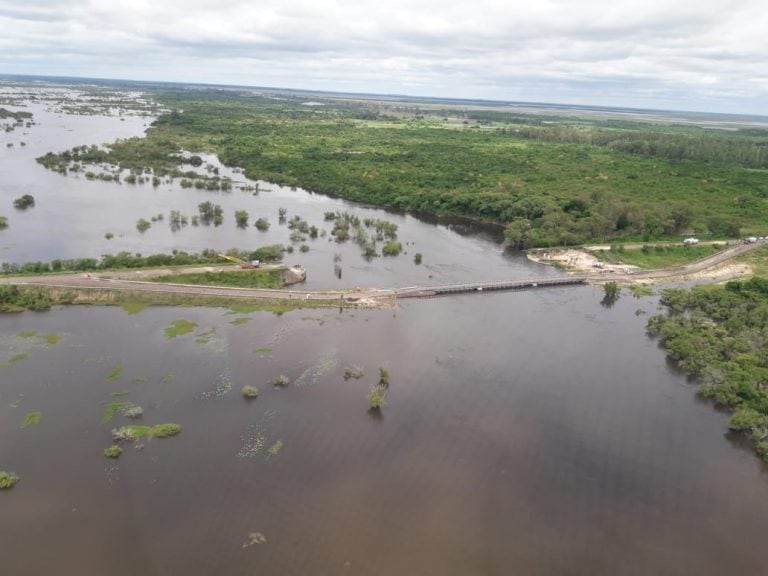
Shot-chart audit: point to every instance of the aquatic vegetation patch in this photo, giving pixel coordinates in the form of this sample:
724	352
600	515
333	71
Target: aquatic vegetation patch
274	450
27	334
640	290
7	480
115	373
250	391
133	307
179	328
32	419
14	359
112	409
169	377
240	321
113	451
52	339
353	371
281	381
133	432
263	350
206	336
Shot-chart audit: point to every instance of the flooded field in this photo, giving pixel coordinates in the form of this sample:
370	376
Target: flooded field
524	433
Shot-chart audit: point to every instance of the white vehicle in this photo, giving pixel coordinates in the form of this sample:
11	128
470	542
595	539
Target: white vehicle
690	241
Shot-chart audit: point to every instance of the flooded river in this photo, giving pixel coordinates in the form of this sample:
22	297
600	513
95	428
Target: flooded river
535	433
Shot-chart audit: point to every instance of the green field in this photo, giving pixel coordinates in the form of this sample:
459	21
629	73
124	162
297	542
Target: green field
660	256
553	180
239	279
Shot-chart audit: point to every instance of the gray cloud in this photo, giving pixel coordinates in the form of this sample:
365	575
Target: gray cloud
704	56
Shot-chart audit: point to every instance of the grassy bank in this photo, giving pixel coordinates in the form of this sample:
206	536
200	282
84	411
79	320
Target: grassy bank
271	279
21	298
660	256
719	334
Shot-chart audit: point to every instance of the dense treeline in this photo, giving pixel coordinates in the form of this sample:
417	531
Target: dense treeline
720	335
552	184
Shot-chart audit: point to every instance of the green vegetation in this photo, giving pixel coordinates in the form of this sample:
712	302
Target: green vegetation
16	298
262	224
355	372
640	290
32	419
263	350
142	225
27	334
658	256
377	398
179	328
24	202
240	321
15	358
719	334
250	391
158	431
113	408
240	278
169	377
554	180
109	235
281	381
3	222
52	339
392	248
383	377
115	373
757	260
7	480
241	218
113	451
417	258
275	448
133	307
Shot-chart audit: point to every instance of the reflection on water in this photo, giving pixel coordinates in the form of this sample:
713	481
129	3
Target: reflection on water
525	433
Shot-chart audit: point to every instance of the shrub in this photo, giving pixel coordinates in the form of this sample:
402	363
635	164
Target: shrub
3	222
304	248
262	224
109	235
142	225
241	217
392	248
7	480
113	451
24	202
250	391
383	377
377	397
417	258
355	372
282	381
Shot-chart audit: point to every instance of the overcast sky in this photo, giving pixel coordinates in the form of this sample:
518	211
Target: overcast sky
708	55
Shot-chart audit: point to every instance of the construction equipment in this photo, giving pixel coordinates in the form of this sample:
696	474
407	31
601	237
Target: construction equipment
240	262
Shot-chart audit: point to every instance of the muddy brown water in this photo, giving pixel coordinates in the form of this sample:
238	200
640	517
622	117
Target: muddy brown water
525	432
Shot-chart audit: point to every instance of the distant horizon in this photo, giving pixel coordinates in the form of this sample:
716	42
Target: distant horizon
450	100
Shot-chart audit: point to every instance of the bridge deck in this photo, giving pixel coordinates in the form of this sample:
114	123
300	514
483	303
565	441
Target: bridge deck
429	291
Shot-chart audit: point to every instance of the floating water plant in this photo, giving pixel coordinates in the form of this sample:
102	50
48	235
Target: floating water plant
179	328
32	419
250	391
7	480
113	451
